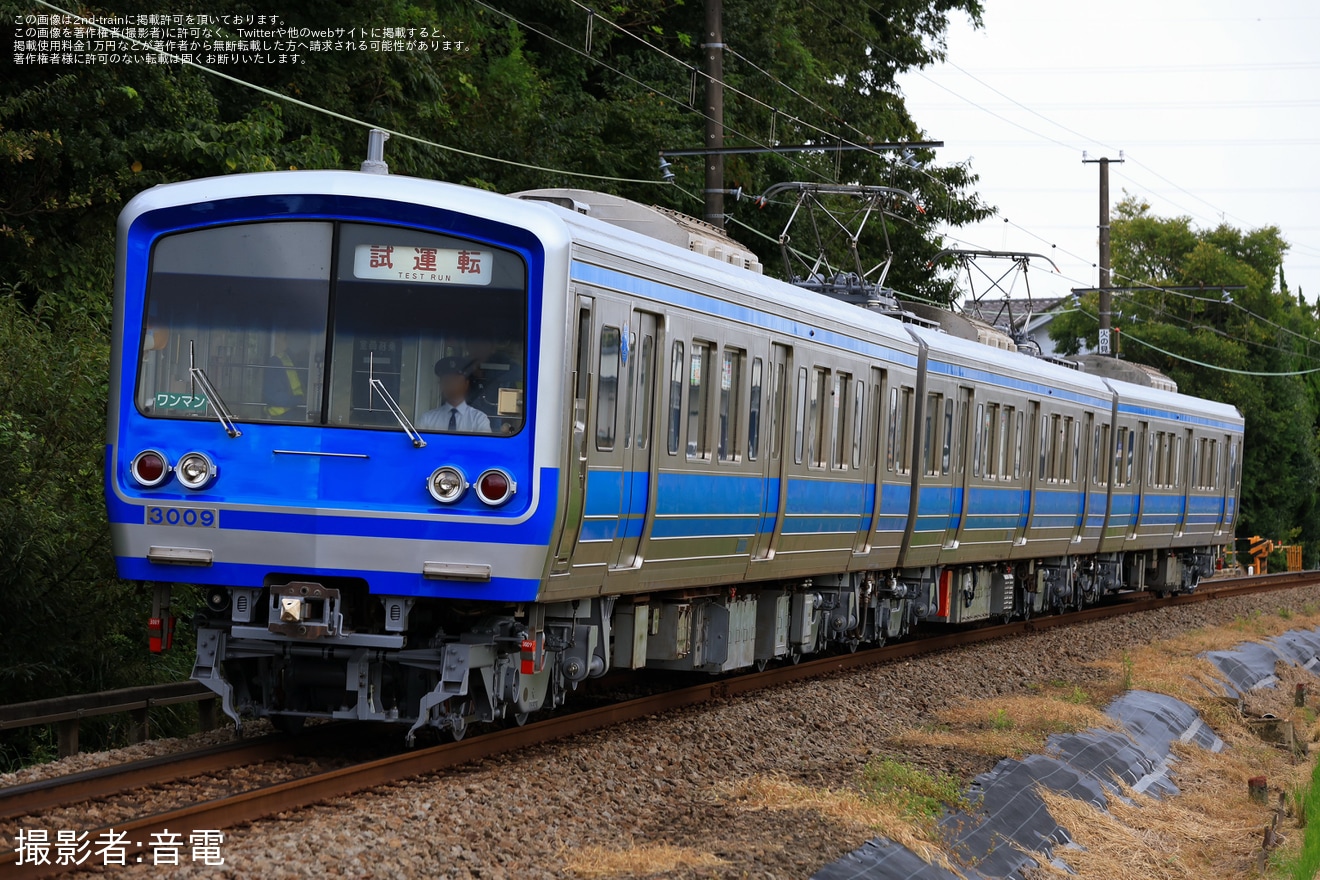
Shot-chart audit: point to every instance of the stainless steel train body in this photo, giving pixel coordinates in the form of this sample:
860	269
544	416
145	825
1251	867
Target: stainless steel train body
667	461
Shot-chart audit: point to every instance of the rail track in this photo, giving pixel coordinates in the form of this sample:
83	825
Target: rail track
33	797
257	803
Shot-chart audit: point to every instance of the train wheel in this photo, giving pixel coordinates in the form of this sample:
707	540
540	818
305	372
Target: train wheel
458	722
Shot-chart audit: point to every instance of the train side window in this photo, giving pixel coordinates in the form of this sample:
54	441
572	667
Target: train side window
698	428
1232	466
1162	464
931	435
1075	441
754	413
1177	463
800	415
1120	445
645	368
978	431
906	431
819	404
629	387
1045	435
1130	471
859	416
962	426
838	421
1157	465
776	404
891	439
730	405
988	423
947	445
1095	456
607	388
1061	448
675	397
584	356
1194	466
1002	433
1019	436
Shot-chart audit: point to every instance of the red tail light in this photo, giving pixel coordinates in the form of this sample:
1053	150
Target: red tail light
150	468
494	487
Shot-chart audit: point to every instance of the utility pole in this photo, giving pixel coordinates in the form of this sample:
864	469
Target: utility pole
714	48
1106	306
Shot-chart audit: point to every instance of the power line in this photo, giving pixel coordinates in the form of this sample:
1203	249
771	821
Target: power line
335	114
867	143
635	80
1207	366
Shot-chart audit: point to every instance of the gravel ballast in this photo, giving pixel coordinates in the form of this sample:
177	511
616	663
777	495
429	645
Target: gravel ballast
666	782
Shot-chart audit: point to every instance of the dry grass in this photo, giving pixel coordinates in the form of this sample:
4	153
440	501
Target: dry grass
1212	829
1204	832
1174	667
637	860
1008	726
849	807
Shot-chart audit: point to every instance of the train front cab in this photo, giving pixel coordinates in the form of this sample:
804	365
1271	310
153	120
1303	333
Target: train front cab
280	434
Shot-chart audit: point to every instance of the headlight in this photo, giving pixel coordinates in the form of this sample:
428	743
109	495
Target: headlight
149	468
495	487
446	484
195	471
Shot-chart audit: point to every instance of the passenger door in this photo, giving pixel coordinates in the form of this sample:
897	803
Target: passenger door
637	408
1082	453
775	432
575	475
1031	472
873	456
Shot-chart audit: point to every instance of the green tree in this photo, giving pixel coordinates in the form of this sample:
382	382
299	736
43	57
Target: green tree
1208	333
76	143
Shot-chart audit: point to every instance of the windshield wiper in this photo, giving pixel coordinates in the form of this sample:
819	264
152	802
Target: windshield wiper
198	377
374	384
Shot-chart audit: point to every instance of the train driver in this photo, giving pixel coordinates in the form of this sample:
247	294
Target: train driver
282	383
454	413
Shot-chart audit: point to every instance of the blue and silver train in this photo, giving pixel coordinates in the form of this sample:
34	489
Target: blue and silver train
439	454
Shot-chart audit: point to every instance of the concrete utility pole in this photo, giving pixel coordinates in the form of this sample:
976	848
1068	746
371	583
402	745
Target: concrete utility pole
1106	306
714	48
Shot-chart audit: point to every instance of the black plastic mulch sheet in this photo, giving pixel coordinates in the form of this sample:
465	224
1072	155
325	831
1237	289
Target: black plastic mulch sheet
1251	665
1008	819
882	857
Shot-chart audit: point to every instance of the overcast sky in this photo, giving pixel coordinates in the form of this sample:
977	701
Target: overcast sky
1215	103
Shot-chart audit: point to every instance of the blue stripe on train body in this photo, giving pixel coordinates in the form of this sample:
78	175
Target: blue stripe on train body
316	497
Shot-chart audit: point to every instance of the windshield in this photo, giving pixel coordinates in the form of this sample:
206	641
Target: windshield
308	322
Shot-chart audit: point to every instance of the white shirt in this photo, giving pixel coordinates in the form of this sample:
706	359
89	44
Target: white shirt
469	420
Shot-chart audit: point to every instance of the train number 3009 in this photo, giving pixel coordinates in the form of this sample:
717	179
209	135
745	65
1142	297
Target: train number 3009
205	517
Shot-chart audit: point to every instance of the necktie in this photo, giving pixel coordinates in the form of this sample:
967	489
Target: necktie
453	418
